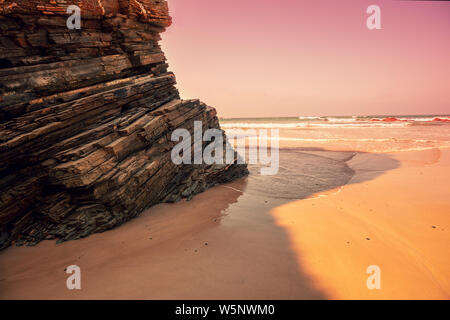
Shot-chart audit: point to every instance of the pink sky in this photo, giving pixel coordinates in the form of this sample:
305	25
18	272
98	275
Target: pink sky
274	58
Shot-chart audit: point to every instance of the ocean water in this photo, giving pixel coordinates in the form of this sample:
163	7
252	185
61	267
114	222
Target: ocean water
333	122
313	151
357	133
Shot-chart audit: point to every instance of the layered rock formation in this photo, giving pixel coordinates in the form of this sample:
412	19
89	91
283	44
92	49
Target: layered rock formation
86	118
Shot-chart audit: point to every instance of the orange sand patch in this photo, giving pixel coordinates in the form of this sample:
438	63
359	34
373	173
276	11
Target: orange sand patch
400	221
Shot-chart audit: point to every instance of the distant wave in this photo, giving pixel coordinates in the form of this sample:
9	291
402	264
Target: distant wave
384	144
335	122
272	125
393	140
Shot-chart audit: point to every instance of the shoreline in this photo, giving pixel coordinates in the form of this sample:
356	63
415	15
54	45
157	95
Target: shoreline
234	241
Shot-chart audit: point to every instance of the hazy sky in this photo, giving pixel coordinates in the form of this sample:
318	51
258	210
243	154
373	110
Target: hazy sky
291	57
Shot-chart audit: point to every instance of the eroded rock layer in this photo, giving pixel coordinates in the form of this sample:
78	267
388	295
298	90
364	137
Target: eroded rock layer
86	118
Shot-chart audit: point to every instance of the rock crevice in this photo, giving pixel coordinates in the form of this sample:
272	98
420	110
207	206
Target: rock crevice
86	118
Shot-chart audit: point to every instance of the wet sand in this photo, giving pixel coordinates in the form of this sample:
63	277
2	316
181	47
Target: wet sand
280	237
195	250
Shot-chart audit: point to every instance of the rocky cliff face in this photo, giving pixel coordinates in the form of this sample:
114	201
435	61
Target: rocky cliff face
86	118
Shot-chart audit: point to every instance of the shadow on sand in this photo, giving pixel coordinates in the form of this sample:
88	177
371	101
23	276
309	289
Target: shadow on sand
223	244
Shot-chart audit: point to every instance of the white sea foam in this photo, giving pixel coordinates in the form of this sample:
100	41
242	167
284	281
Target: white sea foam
334	122
294	125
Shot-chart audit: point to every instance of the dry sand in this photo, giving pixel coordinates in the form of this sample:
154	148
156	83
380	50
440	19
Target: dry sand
399	221
233	242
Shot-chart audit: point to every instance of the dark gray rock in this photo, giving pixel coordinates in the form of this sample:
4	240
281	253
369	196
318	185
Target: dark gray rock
86	118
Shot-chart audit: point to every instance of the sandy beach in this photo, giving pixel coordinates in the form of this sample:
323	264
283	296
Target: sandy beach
224	150
309	232
398	221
